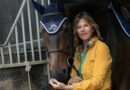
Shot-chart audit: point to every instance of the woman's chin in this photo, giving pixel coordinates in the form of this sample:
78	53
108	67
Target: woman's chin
85	38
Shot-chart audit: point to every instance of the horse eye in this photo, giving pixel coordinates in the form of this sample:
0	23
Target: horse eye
43	33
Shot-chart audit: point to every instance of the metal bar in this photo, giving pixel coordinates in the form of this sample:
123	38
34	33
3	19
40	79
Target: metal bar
38	35
27	42
27	69
2	55
10	53
24	37
43	2
3	66
29	81
30	29
48	2
15	22
17	45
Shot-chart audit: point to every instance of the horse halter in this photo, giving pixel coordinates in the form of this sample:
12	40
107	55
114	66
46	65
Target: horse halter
57	50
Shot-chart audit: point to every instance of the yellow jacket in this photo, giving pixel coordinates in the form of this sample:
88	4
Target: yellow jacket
96	69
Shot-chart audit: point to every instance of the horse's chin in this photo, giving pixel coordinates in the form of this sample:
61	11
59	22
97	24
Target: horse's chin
60	76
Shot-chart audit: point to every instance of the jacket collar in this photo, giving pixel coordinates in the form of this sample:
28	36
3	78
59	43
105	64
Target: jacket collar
89	44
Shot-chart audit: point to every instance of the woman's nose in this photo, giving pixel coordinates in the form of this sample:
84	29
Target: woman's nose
82	28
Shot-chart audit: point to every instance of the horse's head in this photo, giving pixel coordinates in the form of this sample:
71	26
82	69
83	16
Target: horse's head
55	28
56	41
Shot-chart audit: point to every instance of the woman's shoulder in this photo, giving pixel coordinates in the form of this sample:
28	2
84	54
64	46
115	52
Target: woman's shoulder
100	43
102	46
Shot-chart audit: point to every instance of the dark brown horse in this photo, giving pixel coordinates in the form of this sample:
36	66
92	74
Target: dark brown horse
56	34
118	38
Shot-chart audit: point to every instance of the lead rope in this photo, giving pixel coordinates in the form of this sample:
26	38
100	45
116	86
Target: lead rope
71	50
27	69
71	41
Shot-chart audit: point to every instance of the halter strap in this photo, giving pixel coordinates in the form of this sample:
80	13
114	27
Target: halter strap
57	50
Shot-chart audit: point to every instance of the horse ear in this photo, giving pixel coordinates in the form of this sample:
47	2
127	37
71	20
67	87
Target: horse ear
38	7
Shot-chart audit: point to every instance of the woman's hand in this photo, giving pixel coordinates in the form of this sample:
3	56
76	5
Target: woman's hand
56	84
59	85
74	80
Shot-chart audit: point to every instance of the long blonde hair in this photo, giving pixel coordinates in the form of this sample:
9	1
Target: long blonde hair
90	20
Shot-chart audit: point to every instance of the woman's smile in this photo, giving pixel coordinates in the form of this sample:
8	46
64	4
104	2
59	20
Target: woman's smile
83	35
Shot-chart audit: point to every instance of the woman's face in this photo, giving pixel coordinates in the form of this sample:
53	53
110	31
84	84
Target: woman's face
84	30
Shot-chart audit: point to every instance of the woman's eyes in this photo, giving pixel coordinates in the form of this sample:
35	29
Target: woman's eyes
78	27
86	25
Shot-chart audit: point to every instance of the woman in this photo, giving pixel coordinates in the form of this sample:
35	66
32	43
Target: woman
92	58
